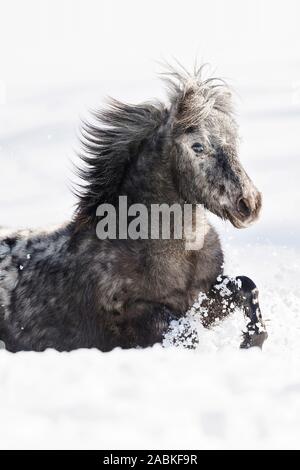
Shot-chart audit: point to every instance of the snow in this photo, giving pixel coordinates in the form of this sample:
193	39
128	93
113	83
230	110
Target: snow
150	399
216	396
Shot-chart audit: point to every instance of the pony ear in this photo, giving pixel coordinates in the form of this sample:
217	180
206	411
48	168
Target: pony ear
188	109
184	103
185	111
195	101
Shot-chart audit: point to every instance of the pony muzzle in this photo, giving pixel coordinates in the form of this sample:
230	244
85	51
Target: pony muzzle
247	209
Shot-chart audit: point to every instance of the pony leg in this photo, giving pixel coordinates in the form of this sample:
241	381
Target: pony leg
256	333
239	292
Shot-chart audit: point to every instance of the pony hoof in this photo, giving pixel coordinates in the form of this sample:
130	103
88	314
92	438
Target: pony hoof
254	340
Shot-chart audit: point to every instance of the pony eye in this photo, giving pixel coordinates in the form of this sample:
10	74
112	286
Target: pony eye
198	148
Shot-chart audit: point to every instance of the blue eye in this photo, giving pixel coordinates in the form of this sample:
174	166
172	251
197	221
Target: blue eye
198	148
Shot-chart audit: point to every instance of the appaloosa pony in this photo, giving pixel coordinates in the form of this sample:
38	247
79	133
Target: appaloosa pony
68	289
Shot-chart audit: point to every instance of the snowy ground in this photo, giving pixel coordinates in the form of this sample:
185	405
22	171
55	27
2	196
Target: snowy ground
216	396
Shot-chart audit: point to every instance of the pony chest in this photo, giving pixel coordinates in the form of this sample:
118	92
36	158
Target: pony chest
169	272
147	276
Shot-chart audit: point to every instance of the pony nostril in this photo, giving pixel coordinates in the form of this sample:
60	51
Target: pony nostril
243	207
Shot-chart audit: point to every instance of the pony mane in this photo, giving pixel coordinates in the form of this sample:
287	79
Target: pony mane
113	140
108	147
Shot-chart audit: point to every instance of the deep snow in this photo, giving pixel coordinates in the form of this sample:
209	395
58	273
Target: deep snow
217	396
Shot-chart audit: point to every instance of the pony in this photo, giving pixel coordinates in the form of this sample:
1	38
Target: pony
68	289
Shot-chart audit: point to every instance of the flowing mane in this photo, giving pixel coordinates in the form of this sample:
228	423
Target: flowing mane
108	147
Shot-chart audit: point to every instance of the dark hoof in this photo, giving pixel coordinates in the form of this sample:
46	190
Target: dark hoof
253	340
